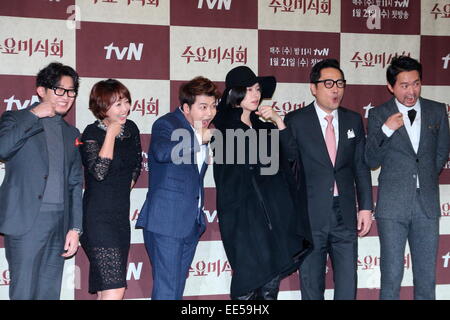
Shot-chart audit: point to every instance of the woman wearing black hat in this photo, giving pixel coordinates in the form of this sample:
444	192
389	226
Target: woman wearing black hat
263	216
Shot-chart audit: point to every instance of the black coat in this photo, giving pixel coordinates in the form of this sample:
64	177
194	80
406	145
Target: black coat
263	219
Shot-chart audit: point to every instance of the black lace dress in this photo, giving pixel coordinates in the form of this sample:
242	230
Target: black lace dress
106	204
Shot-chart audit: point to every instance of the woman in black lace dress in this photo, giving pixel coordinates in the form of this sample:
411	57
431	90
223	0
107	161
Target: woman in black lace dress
111	154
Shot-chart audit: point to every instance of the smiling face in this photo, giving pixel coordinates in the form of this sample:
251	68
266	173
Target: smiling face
407	87
201	112
62	103
252	97
328	99
118	111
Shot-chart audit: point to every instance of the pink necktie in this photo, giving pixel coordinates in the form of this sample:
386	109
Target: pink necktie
330	140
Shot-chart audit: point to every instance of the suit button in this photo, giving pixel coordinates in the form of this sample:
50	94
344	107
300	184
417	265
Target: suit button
197	197
45	177
331	189
40	197
414	176
417	160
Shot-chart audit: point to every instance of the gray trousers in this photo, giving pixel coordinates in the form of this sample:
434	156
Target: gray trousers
35	261
422	234
342	246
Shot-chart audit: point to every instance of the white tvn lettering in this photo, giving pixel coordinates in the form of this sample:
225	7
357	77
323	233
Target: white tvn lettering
446	59
212	3
134	270
401	4
210	217
132	49
446	257
11	102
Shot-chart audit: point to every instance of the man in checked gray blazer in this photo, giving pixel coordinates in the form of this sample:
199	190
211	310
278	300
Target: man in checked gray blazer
408	137
40	197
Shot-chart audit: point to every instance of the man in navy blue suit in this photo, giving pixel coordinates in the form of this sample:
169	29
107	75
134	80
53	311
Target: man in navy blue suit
172	216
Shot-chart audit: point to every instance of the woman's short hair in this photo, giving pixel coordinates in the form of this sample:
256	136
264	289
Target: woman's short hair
197	87
104	94
236	95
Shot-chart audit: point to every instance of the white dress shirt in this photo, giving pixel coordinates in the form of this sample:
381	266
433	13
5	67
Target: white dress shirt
324	123
200	157
412	130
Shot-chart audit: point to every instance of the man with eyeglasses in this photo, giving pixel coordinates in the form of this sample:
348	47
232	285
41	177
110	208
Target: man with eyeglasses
40	197
330	140
408	137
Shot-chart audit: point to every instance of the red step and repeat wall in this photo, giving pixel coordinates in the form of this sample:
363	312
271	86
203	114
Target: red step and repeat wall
154	45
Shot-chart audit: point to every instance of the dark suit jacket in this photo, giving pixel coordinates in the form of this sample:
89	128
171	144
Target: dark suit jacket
351	174
23	148
172	201
400	164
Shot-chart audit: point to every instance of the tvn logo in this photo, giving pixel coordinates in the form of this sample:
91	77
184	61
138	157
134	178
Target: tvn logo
132	52
19	105
446	60
401	4
215	4
134	271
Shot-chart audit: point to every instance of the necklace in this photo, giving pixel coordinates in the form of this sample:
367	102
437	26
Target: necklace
103	126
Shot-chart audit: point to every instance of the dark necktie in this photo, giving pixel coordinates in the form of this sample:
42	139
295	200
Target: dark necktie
412	115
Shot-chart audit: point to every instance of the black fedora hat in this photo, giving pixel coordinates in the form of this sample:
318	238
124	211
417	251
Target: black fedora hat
243	76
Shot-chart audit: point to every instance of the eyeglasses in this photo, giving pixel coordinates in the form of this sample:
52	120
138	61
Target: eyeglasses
61	91
328	83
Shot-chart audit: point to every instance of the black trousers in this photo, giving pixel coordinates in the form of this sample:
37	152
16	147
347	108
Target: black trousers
269	291
341	244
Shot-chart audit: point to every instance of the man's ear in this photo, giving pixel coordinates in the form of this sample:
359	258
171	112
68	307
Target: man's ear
41	91
312	87
390	88
186	108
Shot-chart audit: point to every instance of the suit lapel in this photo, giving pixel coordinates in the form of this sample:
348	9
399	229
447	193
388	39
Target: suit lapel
193	143
342	124
424	116
402	130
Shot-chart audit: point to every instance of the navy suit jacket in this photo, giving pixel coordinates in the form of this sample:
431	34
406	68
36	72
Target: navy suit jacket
175	183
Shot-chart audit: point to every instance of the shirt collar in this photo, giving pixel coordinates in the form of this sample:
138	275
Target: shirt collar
404	109
322	114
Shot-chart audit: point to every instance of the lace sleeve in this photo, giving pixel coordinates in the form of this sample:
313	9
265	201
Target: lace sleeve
96	165
138	148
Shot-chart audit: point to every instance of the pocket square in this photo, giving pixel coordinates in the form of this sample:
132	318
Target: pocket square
350	134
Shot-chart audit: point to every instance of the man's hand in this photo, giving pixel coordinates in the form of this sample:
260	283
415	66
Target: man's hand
364	222
206	135
71	245
395	121
44	109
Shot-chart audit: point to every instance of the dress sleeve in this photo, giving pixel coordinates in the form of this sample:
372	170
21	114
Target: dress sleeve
138	153
96	166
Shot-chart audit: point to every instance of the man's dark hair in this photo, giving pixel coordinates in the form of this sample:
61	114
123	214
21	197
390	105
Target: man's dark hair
327	63
401	64
50	76
197	87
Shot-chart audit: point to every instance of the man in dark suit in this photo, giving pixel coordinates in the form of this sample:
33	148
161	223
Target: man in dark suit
330	140
172	215
408	138
40	197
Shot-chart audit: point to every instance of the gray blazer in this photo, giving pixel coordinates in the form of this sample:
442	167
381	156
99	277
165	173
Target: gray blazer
400	164
23	149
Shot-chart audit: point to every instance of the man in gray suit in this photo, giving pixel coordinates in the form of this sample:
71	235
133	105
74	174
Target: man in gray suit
408	137
40	197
